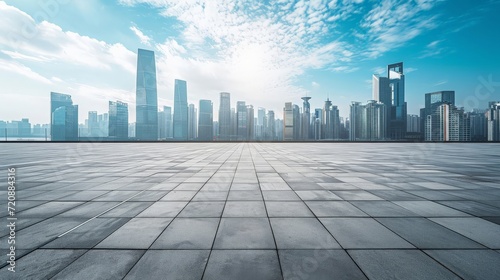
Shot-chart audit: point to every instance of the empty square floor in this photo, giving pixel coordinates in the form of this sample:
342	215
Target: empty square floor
252	210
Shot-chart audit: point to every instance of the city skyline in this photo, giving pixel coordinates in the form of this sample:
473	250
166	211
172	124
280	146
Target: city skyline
91	76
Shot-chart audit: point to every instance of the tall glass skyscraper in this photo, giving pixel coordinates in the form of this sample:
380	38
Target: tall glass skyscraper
225	116
306	118
118	120
242	120
146	97
165	123
63	118
192	123
397	123
206	121
180	110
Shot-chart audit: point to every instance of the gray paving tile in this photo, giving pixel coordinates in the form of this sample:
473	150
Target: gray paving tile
288	209
244	233
188	233
41	264
301	233
87	235
179	196
163	209
101	264
382	209
247	209
88	210
244	195
476	229
317	195
127	209
356	195
399	264
473	208
334	209
210	196
280	195
243	265
430	209
117	196
363	233
424	233
469	264
170	264
318	265
137	233
199	209
48	209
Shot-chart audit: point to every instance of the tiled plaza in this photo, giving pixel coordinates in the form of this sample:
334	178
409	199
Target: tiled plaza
253	210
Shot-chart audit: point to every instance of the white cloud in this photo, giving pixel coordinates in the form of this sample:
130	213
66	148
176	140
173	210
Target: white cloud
18	68
145	40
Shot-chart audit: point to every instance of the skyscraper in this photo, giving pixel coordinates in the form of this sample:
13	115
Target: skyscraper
327	120
165	123
261	124
368	121
493	118
335	115
192	122
432	101
382	93
288	122
271	126
118	120
447	123
225	116
63	118
478	125
250	123
306	118
242	120
397	123
206	121
146	97
180	111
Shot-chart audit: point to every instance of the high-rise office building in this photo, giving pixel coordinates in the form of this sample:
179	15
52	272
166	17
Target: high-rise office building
327	120
382	92
432	101
493	119
397	123
63	117
180	126
478	125
335	116
206	121
368	121
118	120
288	122
146	97
297	121
192	122
234	125
271	126
225	116
318	124
165	123
261	124
447	123
306	119
242	120
250	123
413	123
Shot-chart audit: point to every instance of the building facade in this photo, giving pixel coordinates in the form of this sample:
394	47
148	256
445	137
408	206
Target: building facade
180	120
146	97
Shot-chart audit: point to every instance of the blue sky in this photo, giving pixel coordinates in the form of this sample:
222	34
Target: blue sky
264	52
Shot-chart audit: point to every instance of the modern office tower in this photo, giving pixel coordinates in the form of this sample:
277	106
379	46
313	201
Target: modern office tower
493	118
306	118
118	120
225	116
146	97
432	101
382	93
447	123
344	129
65	123
215	130
192	122
271	126
241	120
58	100
131	130
165	123
368	121
317	124
297	121
279	130
63	118
206	121
288	122
250	123
327	120
260	128
93	128
413	123
180	126
234	125
397	123
335	115
478	125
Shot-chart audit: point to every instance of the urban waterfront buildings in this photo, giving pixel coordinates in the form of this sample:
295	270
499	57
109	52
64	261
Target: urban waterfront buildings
146	97
225	116
63	117
165	123
368	121
180	110
493	118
